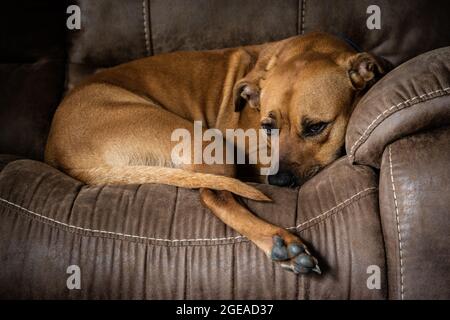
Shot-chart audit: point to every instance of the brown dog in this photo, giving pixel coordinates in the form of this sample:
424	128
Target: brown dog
116	127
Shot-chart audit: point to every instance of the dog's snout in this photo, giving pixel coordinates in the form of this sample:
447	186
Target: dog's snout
283	179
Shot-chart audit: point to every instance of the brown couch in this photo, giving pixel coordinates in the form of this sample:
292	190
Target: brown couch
383	207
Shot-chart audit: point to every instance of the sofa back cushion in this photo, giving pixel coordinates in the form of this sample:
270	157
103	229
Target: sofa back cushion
114	32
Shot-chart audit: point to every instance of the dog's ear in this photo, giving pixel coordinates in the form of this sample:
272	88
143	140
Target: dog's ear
243	92
364	70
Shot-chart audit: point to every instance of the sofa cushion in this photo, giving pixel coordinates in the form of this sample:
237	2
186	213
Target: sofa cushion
156	241
413	97
114	32
407	27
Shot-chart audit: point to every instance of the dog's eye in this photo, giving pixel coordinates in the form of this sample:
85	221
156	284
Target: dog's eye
314	129
268	125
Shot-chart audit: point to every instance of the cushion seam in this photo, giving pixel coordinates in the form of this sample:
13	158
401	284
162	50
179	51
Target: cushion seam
146	29
155	241
396	212
329	212
303	16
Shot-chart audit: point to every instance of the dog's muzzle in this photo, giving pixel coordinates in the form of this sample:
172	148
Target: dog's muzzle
283	179
288	179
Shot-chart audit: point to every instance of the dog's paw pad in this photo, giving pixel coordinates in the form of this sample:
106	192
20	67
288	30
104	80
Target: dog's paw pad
295	249
305	263
279	250
293	255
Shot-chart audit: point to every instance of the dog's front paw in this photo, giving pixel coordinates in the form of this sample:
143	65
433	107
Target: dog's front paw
293	255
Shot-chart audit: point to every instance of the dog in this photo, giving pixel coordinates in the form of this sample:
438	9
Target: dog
115	128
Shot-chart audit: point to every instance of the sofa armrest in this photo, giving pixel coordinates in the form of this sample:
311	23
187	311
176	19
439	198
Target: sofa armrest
413	97
415	215
402	127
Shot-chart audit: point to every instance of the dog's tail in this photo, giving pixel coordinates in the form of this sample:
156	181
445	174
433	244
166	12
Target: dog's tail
163	175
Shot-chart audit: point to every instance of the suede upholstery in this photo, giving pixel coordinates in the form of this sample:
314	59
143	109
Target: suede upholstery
157	242
414	202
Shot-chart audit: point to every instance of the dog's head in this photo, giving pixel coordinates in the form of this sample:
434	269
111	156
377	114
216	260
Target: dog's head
306	87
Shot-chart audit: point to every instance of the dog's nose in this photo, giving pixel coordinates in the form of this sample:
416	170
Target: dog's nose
283	179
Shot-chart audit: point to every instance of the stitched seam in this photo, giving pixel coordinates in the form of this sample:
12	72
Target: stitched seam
110	232
45	219
398	226
342	204
406	103
150	32
303	15
146	35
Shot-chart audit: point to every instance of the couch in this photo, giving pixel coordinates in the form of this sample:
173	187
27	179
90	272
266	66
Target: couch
378	219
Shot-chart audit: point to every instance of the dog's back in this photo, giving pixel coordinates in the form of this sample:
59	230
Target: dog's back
116	126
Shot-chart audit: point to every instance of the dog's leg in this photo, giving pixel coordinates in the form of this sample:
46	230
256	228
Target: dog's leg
279	244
